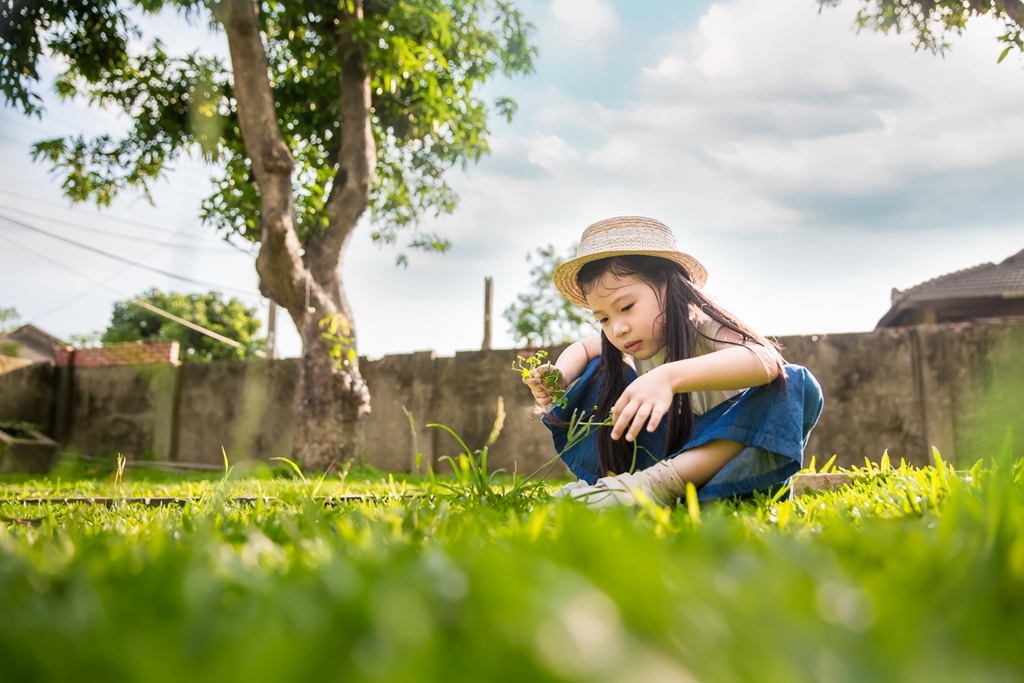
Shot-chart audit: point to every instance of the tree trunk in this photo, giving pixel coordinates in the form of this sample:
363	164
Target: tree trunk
330	401
331	397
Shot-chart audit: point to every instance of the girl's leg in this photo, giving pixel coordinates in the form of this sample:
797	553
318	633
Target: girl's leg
698	465
664	482
773	422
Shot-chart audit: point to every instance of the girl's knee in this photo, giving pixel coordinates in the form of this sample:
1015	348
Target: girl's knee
802	380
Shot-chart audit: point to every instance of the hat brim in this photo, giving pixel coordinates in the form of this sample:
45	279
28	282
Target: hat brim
566	273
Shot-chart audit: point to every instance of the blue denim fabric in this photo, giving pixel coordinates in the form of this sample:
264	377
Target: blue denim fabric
773	422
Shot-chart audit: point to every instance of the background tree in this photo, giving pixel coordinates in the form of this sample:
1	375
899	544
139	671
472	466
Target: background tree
9	320
329	108
131	322
930	21
541	316
86	340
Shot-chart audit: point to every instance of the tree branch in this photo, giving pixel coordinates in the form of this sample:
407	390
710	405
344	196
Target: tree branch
1014	9
357	155
279	263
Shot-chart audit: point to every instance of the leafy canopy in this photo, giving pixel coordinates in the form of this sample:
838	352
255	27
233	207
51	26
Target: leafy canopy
930	21
426	59
541	316
230	319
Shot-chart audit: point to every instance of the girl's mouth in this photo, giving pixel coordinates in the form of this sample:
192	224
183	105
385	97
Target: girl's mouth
633	346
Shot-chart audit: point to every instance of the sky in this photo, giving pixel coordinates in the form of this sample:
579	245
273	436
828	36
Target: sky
809	167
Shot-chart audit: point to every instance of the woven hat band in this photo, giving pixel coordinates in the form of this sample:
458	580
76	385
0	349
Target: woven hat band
626	233
621	236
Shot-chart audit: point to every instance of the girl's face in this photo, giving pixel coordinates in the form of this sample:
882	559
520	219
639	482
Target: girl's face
630	314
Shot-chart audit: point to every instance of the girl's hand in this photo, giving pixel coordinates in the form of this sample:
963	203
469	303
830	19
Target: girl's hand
647	399
543	381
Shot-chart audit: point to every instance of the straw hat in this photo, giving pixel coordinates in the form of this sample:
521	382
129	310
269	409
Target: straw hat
624	235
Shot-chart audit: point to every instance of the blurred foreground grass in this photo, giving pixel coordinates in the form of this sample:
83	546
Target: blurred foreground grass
906	575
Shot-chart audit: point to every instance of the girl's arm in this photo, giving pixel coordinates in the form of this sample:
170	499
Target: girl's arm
769	358
573	361
649	398
570	365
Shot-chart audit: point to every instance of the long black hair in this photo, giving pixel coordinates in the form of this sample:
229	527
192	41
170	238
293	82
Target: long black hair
679	303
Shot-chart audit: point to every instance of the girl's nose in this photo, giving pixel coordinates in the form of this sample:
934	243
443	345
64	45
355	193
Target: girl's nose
621	329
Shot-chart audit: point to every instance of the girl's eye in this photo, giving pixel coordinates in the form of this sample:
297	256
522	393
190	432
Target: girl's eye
602	321
627	308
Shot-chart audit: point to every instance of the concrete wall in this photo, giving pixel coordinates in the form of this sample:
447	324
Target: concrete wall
27	393
128	409
8	363
243	407
871	399
957	388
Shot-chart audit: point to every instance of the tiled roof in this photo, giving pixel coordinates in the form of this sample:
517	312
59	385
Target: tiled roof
1003	280
32	343
127	353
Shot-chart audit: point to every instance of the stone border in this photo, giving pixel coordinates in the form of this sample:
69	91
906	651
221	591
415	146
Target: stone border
816	483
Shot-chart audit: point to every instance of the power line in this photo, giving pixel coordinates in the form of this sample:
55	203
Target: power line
196	187
125	221
138	302
41	124
131	238
20	120
115	257
96	283
5	136
187	323
83	293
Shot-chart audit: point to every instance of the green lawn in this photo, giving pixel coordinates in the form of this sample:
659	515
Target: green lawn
906	575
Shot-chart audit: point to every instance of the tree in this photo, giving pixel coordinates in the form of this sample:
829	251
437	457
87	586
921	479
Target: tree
932	20
131	322
542	316
9	320
328	109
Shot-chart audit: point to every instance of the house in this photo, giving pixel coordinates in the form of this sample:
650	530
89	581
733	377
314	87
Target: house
988	292
30	343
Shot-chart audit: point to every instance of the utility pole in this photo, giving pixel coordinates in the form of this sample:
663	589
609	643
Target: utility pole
488	303
272	331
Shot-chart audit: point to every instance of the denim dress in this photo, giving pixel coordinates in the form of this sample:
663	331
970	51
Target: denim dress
773	422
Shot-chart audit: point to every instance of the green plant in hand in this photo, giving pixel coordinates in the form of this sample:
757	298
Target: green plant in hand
538	366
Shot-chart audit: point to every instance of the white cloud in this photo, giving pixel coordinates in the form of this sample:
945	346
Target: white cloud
763	114
584	23
550	152
585	20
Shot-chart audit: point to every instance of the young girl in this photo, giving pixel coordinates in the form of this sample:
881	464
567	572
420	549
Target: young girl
694	394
